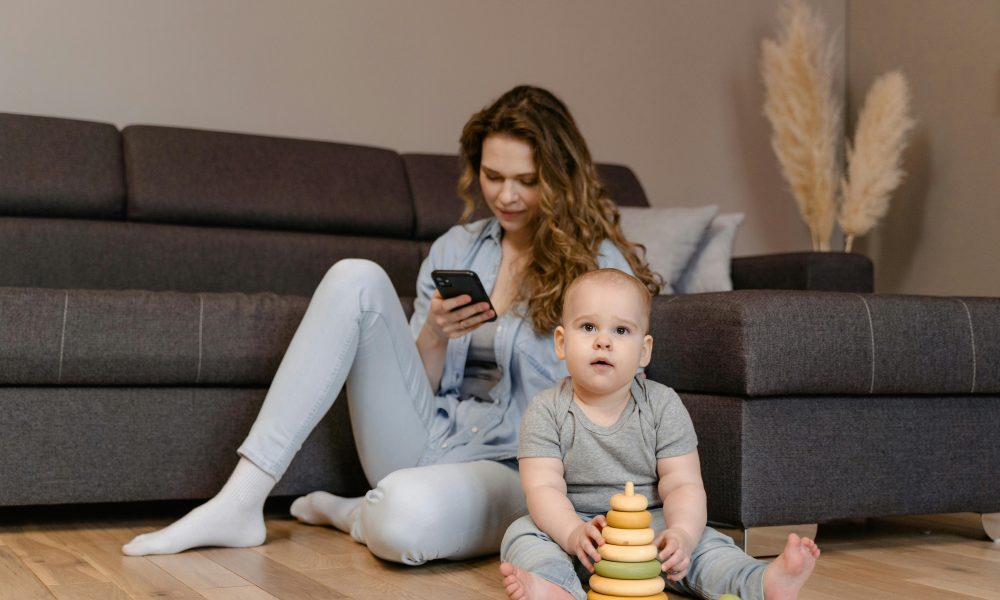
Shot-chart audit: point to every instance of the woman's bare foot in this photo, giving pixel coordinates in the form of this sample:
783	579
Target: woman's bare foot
522	585
786	575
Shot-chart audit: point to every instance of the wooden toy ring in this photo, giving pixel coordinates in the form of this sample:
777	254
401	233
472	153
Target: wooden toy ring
592	595
629	501
627	587
627	570
627	553
627	537
629	520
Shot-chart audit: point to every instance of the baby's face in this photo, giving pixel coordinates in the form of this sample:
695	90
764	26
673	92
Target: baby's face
603	337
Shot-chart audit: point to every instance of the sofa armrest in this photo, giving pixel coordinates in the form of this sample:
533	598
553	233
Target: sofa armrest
757	343
822	271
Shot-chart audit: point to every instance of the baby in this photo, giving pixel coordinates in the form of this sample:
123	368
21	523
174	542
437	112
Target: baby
605	425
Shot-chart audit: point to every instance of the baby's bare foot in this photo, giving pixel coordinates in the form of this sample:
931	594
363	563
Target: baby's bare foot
522	585
786	575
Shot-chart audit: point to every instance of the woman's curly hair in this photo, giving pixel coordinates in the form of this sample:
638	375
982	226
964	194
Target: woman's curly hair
575	213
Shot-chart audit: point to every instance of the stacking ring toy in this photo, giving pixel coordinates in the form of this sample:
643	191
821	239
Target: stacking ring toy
626	587
629	501
627	553
592	595
629	520
627	570
627	537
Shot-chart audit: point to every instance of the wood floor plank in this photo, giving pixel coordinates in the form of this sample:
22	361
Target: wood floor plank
52	562
89	591
361	586
238	593
197	571
17	582
881	580
137	576
951	585
937	564
271	576
297	556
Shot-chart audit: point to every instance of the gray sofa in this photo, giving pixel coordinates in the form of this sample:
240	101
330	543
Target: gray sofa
151	278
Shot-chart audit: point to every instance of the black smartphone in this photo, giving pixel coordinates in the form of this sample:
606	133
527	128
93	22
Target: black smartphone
453	283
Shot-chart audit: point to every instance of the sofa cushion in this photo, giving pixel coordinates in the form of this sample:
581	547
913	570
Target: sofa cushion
433	179
117	255
78	337
809	459
113	444
213	178
85	337
781	342
60	167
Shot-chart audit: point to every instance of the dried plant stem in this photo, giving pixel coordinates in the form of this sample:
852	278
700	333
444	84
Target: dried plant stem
874	161
797	73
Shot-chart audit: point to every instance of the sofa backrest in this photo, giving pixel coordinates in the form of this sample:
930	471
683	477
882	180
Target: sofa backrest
195	177
60	167
209	211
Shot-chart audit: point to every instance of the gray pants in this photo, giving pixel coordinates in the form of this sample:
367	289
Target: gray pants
718	566
355	333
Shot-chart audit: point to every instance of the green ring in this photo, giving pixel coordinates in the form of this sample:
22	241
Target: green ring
625	570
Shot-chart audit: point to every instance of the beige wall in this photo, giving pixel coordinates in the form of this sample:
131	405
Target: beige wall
942	233
669	87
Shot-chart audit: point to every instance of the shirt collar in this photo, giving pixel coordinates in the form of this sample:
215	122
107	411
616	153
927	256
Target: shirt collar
493	230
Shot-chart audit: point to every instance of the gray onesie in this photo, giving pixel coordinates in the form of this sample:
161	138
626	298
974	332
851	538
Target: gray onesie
599	460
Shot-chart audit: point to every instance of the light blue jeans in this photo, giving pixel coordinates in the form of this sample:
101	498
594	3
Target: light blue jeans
355	333
718	566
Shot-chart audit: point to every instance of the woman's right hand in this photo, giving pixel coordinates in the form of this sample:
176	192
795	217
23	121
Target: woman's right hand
449	318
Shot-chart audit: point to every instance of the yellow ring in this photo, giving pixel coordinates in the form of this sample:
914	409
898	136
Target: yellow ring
627	587
626	503
627	537
627	553
592	595
629	520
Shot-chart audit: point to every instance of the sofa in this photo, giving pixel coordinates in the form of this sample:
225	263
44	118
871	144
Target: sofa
151	278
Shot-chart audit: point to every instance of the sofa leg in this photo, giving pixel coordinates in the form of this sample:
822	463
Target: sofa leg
761	542
991	525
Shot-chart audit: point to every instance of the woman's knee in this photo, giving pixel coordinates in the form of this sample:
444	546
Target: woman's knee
402	518
352	275
439	511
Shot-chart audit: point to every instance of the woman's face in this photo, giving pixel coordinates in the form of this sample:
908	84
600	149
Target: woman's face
509	180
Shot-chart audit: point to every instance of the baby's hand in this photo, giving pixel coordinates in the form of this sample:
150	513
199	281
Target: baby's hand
586	538
675	547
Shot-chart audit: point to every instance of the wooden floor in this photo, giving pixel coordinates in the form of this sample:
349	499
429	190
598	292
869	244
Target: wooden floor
74	554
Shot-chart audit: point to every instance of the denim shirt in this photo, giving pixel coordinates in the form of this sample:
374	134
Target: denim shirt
470	429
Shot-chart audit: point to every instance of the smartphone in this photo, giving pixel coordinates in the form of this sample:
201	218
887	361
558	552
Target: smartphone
453	283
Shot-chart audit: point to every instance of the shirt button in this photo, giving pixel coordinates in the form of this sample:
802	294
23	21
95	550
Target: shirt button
475	430
444	445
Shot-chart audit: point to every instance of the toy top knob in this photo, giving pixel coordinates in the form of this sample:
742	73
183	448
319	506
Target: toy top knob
628	501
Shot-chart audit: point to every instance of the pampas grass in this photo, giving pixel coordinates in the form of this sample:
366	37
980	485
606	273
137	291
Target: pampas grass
797	69
874	161
797	72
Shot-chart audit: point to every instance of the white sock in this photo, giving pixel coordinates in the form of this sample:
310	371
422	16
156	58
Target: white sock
321	508
234	518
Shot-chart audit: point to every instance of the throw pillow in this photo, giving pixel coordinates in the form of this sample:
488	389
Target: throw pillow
670	235
709	269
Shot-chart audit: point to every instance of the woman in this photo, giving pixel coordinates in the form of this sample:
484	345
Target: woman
435	421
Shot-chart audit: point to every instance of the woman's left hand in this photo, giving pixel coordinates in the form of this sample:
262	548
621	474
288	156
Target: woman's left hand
675	547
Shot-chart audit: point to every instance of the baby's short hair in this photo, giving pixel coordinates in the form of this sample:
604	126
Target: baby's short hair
611	276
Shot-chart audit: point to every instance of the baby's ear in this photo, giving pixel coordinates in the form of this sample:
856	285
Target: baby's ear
647	351
559	338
